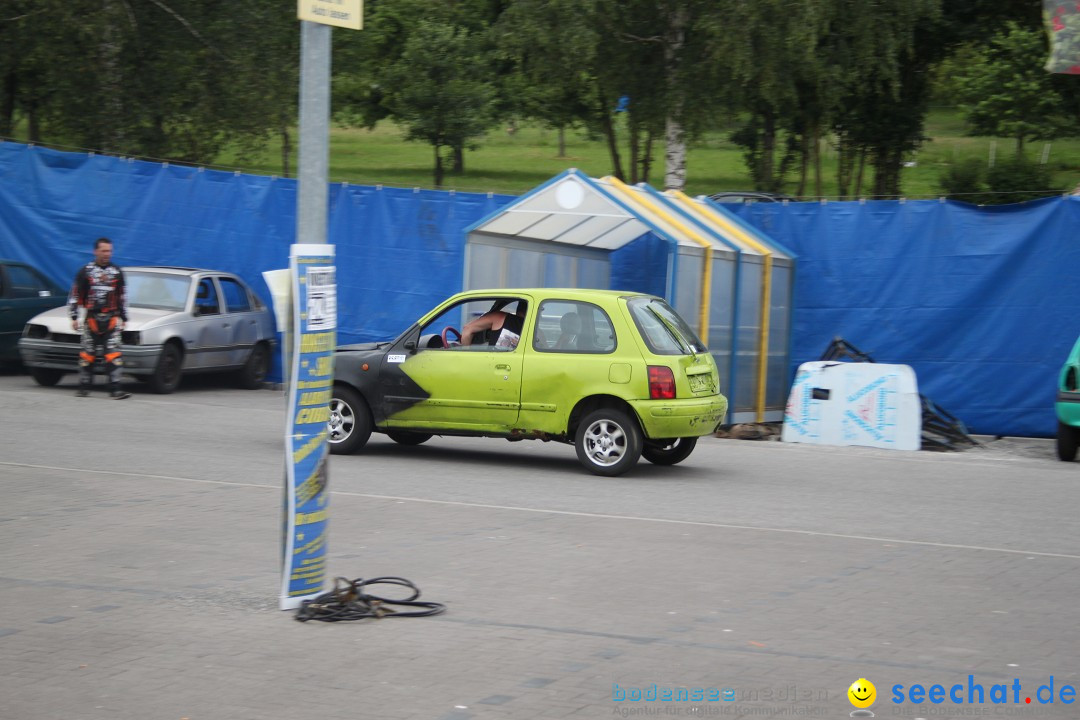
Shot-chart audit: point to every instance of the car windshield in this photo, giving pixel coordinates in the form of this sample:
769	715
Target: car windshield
662	329
157	291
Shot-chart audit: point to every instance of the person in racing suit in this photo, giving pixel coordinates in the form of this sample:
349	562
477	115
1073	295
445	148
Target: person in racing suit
99	289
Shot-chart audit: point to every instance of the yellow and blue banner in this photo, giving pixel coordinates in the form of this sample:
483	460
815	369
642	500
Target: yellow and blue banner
311	378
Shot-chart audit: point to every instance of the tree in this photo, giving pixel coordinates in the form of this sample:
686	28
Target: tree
175	79
438	89
1006	91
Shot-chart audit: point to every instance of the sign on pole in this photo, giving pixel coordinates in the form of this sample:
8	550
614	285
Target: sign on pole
340	13
314	323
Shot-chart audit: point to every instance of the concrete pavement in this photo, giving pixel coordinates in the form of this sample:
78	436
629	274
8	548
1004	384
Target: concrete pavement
140	572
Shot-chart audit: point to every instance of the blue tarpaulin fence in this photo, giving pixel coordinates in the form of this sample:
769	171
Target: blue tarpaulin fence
982	302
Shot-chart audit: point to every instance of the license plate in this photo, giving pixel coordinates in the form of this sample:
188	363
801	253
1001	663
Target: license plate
701	382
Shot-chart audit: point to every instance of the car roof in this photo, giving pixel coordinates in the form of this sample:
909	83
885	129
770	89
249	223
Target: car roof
173	270
736	196
564	293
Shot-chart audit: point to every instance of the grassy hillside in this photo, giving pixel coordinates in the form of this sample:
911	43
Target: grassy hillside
513	163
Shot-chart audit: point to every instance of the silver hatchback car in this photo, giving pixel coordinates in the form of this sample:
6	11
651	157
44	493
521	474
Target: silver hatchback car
180	320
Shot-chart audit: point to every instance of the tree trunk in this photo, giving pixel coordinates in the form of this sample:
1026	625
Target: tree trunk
612	142
674	130
438	166
562	141
804	163
109	129
286	151
646	158
33	121
635	147
819	189
859	173
7	104
766	161
459	159
845	165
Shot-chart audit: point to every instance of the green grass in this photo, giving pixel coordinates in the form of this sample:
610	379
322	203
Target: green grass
514	163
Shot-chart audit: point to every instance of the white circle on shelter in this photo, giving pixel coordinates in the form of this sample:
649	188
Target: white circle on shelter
569	195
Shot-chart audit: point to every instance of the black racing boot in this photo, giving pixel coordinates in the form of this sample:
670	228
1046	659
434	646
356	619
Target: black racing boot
83	391
117	394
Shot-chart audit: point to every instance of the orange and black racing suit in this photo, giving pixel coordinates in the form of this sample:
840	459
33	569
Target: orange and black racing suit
100	290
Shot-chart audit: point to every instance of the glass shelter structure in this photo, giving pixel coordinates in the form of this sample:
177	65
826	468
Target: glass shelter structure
732	284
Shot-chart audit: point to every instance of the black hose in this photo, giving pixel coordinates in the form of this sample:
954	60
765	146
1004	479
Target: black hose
348	601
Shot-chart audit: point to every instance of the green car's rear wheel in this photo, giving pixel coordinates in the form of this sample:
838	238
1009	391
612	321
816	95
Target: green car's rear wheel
1068	440
608	442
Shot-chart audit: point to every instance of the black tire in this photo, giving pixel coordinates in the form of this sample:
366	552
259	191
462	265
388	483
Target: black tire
253	374
668	452
166	377
407	437
608	441
1068	440
46	377
350	421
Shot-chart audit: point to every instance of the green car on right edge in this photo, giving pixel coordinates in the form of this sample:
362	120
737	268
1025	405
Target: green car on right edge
1068	406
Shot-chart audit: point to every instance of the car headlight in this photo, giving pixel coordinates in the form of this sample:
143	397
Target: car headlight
129	337
38	332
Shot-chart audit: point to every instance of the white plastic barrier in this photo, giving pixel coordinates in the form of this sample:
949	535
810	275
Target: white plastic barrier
842	403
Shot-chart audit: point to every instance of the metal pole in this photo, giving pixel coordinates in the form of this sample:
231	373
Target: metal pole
313	170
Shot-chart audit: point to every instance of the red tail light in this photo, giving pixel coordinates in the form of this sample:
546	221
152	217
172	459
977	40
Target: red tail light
661	383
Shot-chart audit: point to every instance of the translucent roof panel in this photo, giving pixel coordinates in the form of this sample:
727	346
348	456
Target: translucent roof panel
700	211
569	209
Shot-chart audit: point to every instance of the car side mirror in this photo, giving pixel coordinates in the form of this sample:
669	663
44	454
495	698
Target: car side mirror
410	345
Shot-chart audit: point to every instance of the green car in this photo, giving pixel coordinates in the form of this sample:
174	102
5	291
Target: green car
24	292
1068	406
616	374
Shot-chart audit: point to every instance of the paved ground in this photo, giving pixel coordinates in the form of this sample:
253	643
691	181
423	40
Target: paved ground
140	573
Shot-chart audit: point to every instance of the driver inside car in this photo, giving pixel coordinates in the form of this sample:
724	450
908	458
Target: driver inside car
506	326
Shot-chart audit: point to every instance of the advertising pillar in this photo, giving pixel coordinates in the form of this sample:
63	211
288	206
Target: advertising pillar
310	379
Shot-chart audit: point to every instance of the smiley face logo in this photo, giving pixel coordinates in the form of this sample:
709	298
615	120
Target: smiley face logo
862	693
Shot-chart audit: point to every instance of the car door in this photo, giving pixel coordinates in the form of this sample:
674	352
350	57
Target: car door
209	342
24	292
573	355
240	319
475	388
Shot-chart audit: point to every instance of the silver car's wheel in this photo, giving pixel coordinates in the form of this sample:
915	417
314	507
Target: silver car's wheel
608	442
349	426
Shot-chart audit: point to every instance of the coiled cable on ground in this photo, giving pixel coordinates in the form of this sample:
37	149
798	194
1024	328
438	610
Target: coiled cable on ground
348	601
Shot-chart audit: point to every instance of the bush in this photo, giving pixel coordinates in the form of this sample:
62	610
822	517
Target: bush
1011	180
963	181
1018	179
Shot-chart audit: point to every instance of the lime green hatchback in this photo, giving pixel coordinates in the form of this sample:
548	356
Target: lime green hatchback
619	375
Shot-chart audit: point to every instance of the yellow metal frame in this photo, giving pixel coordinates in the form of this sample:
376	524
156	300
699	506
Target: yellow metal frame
706	280
730	229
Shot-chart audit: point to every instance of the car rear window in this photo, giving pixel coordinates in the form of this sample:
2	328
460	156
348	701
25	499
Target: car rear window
662	329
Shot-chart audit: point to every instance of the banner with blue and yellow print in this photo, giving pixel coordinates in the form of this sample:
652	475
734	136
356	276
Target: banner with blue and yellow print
311	378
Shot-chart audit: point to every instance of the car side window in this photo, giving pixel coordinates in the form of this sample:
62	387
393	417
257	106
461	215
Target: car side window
236	297
445	332
206	298
25	283
567	326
